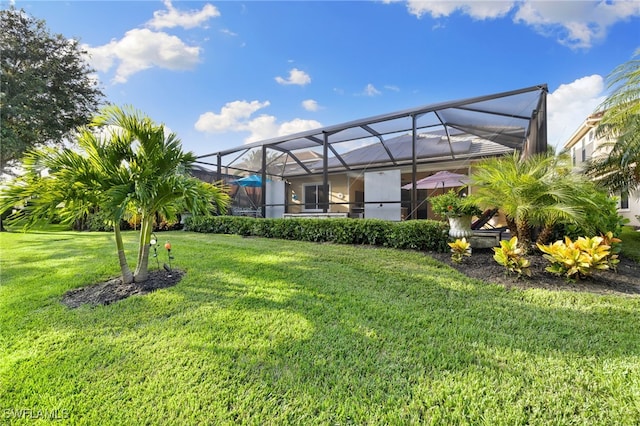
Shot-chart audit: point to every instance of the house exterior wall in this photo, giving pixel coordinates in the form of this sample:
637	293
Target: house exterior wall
339	193
347	191
585	144
633	211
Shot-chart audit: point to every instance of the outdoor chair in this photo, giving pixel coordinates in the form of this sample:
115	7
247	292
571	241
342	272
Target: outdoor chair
484	219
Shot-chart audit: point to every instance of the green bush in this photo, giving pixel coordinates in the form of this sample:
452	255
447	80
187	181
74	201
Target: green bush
419	235
414	234
99	222
601	217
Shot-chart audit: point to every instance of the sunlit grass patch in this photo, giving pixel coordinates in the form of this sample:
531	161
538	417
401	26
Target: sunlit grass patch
270	332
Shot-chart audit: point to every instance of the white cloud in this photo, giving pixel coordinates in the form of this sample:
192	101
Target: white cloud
392	88
261	128
310	105
141	49
296	76
569	105
228	32
476	9
172	17
576	24
236	117
232	117
370	90
297	125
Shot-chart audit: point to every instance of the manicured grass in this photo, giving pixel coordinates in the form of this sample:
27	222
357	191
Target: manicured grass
280	332
630	243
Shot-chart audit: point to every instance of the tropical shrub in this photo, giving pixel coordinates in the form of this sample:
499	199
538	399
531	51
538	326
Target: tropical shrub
512	257
579	259
600	217
615	249
537	192
460	249
618	170
452	204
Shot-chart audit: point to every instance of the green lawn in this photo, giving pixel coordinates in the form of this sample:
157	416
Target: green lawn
279	332
630	243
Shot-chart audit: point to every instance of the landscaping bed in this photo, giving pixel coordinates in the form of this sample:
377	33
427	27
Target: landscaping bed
112	290
480	265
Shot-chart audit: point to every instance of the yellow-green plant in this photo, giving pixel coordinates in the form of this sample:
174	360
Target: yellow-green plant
459	249
579	258
614	243
512	257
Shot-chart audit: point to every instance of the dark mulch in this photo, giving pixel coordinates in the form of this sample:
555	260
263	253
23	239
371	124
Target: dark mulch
626	281
113	290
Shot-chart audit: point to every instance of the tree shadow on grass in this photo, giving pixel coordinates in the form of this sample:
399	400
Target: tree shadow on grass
338	342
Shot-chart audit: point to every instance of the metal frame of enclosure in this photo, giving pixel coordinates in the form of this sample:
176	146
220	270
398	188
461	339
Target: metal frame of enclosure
503	122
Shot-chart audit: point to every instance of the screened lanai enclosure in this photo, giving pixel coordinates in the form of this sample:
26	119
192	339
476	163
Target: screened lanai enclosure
358	168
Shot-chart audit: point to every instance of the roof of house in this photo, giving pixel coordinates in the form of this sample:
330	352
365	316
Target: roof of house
589	123
491	124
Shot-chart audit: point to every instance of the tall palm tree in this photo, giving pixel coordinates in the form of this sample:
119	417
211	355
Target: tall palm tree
539	191
159	170
253	161
618	170
128	163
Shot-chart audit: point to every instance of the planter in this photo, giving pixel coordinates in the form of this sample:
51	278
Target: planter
460	227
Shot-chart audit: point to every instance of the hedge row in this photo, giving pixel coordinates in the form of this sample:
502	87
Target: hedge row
426	235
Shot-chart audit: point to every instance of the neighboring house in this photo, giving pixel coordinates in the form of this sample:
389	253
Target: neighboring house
357	168
584	144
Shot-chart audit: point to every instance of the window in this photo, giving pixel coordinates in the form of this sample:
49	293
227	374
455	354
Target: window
624	200
315	198
584	153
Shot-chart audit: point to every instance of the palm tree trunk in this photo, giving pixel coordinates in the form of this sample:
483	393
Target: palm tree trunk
524	235
545	234
142	268
141	238
511	224
127	276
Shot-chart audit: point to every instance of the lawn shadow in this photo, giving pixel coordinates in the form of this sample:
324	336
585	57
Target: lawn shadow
330	336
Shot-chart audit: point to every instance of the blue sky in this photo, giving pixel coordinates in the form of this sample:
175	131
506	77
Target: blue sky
220	74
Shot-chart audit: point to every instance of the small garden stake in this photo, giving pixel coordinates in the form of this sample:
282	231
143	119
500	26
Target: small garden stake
154	243
167	245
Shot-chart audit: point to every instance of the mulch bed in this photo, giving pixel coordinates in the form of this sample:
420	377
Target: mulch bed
482	266
113	290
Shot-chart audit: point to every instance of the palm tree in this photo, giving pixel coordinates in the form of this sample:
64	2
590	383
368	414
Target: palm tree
128	164
539	191
563	197
79	181
253	161
620	124
159	170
